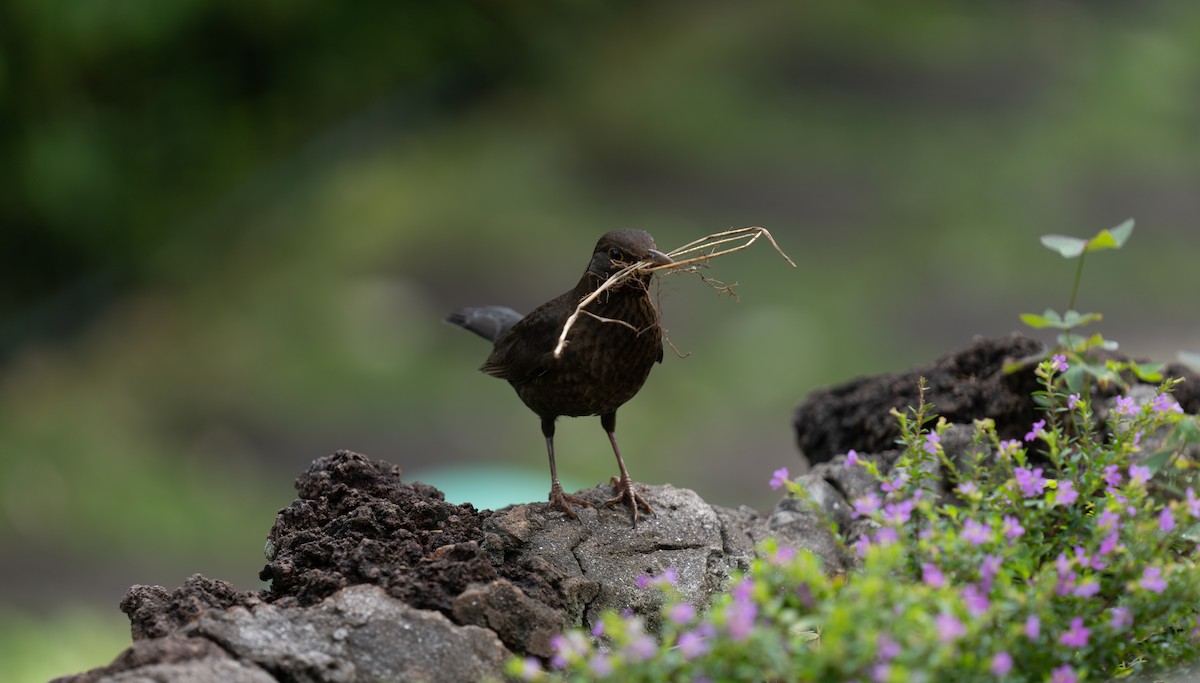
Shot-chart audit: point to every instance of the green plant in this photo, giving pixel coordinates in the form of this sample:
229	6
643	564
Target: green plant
1053	562
1077	348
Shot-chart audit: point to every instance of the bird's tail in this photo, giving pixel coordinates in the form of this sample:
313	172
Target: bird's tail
489	322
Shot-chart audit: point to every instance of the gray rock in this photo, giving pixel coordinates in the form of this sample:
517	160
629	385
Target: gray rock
210	670
358	634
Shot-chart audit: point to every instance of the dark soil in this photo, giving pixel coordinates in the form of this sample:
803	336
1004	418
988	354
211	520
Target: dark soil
963	385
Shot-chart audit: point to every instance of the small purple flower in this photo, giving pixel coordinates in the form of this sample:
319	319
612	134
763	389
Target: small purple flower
1125	406
642	582
1037	427
530	669
691	645
1086	588
865	506
1165	403
988	569
739	619
967	489
1120	619
898	513
1001	664
1059	362
1077	635
931	443
1033	627
1109	544
681	613
597	629
976	533
567	648
1152	580
641	648
1030	481
1072	401
1112	476
1012	527
886	536
784	554
1063	674
881	672
1138	475
949	628
1009	446
888	649
779	477
1193	503
851	458
601	665
1066	493
861	545
932	576
975	600
1108	519
1166	521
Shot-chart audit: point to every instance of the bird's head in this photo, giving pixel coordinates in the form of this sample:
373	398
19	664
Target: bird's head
620	248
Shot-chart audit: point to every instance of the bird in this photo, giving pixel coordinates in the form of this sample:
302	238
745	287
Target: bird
609	353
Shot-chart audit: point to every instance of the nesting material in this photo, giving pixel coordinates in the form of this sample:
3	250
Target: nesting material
686	259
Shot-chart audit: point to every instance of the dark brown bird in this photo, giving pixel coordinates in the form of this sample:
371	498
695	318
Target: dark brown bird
605	362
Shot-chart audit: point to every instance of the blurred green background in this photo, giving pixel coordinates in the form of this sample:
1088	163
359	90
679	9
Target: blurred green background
229	231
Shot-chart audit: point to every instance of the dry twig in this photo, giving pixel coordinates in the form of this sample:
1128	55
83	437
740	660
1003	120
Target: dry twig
709	248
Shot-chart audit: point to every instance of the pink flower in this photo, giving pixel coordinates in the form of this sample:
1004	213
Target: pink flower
1030	481
1012	527
851	458
1152	580
1164	403
1066	493
1120	619
779	477
1033	627
681	613
691	644
1072	401
1193	503
1125	406
931	443
1138	475
1063	674
1037	427
1166	521
932	576
1001	664
1059	362
976	533
1077	635
949	628
865	506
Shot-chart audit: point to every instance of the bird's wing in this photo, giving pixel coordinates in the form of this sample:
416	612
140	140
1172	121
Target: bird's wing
527	349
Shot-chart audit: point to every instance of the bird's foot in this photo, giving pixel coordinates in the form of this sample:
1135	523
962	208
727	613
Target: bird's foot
623	487
559	500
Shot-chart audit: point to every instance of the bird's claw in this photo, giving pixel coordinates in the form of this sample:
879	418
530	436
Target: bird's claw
559	500
631	498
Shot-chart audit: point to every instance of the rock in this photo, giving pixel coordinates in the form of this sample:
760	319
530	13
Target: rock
359	633
154	613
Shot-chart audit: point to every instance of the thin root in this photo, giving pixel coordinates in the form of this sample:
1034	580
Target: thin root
747	236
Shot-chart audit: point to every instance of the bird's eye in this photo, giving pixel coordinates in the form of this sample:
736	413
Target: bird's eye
615	254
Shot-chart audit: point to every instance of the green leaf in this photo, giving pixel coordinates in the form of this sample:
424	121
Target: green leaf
1037	322
1077	319
1069	247
1114	238
1150	372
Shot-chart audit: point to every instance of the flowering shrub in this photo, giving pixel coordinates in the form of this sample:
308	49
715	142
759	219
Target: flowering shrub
1066	555
1051	560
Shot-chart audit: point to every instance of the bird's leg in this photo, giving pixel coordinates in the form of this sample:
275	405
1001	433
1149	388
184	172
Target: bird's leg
558	498
623	486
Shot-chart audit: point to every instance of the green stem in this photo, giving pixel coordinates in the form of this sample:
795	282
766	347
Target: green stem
1075	286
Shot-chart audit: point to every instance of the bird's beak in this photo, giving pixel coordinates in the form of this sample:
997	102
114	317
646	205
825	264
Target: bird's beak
658	258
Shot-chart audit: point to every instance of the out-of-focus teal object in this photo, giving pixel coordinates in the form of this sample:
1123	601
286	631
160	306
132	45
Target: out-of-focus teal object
490	487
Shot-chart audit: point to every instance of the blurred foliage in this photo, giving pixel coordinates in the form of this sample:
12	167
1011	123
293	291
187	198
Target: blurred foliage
230	232
124	120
